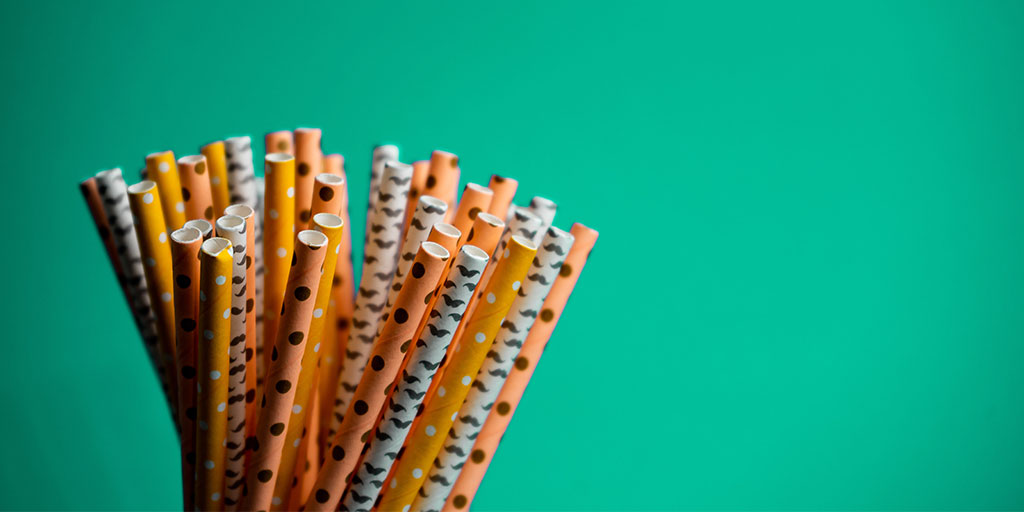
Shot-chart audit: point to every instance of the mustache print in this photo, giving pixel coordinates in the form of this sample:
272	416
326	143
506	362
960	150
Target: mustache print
430	367
470	420
498	373
435	209
375	308
409	379
437	333
452	302
377	228
237	369
441	480
386	197
351	355
455	316
372	470
401	424
421	343
408	256
455	449
467	272
392	213
532	313
359	498
381	436
399	181
359	324
514	343
369	294
495	356
384	245
414	395
348	387
480	385
395	406
538	279
417	224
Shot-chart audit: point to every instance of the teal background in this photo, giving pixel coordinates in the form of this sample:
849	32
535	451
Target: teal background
807	292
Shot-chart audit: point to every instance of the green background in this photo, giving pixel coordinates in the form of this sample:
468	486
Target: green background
807	292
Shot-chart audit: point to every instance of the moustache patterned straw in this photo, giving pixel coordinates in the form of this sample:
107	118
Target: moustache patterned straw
295	385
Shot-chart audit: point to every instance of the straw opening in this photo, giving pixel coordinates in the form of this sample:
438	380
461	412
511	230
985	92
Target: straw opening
479	188
434	202
191	159
202	225
242	210
279	157
313	238
330	179
328	220
525	242
186	235
435	249
215	245
156	154
141	187
474	252
231	222
448	229
490	219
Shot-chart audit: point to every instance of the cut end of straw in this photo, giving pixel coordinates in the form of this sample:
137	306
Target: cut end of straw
231	223
557	233
279	157
330	179
215	245
191	159
202	225
435	249
491	219
474	252
447	229
156	154
433	202
142	187
242	210
479	188
186	235
525	242
312	238
328	220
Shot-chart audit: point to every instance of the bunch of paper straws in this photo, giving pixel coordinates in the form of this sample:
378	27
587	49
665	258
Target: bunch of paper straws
291	386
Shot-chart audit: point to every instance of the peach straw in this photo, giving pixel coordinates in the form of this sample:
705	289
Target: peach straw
195	187
545	209
286	359
279	236
420	168
429	211
204	226
504	191
212	364
185	244
410	389
385	361
441	407
512	392
233	228
279	142
330	225
144	200
247	213
308	165
241	175
111	187
495	368
381	155
443	178
475	199
91	194
162	169
379	259
217	164
328	194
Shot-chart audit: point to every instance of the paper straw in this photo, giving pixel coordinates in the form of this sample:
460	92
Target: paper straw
144	200
330	225
185	244
204	226
485	233
111	187
381	155
385	361
247	213
241	175
233	228
443	178
328	194
441	408
279	142
512	392
420	168
308	165
429	211
410	390
475	199
545	209
334	164
495	369
260	280
278	225
448	237
217	164
212	363
504	191
379	260
286	359
91	194
162	169
195	187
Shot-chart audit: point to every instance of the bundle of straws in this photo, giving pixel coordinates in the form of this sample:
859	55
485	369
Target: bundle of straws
292	387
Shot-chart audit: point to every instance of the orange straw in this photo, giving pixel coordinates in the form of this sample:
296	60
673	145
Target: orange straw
475	199
185	244
308	165
278	237
504	191
195	187
279	142
420	168
162	169
443	178
216	162
385	361
286	360
512	392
